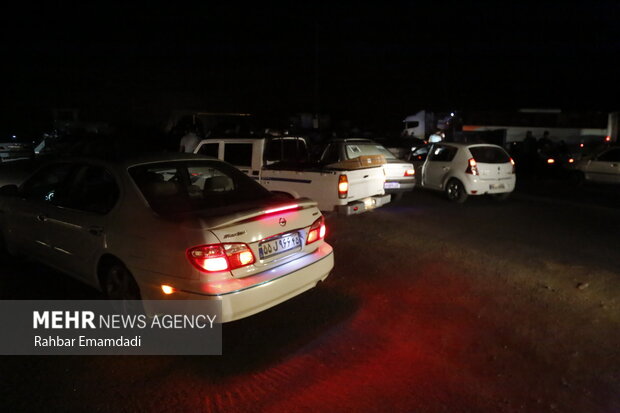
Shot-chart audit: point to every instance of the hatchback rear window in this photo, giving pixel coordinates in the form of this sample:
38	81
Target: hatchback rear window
489	154
192	186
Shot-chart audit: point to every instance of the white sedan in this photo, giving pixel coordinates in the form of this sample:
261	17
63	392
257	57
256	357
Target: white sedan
177	226
603	167
461	170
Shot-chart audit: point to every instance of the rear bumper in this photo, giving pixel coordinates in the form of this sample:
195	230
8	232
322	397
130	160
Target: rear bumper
477	186
257	292
363	205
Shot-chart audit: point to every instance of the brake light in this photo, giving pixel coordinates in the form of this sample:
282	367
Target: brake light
410	172
512	161
343	187
472	167
220	257
550	161
280	209
317	231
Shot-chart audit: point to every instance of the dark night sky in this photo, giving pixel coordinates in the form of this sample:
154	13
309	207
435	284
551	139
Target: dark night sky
375	61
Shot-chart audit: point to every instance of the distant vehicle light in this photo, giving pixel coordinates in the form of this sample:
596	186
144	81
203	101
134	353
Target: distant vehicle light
512	161
607	138
571	160
550	161
581	145
167	289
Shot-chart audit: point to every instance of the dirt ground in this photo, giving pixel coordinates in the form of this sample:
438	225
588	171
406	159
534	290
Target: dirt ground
431	307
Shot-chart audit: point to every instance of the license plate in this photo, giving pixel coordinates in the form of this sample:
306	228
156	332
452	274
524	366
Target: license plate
496	186
391	185
278	245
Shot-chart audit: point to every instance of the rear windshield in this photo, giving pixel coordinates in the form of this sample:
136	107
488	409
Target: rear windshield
489	154
192	186
364	149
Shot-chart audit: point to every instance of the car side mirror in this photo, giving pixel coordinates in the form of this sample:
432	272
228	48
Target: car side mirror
9	190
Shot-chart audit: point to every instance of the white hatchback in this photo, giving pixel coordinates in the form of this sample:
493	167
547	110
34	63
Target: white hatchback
176	226
461	169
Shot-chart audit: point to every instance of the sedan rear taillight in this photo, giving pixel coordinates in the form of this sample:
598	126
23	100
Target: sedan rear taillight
317	231
472	167
220	257
410	172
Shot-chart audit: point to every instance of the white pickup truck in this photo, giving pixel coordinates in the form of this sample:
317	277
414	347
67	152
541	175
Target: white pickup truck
281	164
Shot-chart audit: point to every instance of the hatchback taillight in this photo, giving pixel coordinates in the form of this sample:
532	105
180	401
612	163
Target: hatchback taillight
512	161
317	231
343	187
220	257
472	167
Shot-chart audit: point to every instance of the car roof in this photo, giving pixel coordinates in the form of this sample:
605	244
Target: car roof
468	145
138	159
361	140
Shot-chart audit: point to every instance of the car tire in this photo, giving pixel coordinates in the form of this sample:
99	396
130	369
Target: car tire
119	285
455	191
501	197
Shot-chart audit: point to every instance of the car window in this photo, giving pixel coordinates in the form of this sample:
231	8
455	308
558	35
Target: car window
420	154
442	153
364	149
612	155
286	150
179	187
44	184
489	154
238	154
92	189
209	149
331	154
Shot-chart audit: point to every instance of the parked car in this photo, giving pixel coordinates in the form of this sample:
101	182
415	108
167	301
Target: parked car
180	226
14	148
399	174
461	169
282	164
601	167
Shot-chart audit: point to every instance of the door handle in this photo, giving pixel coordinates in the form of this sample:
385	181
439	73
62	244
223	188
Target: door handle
96	231
41	218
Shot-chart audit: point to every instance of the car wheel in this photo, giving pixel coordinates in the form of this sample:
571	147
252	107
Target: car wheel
501	197
456	191
120	286
577	178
